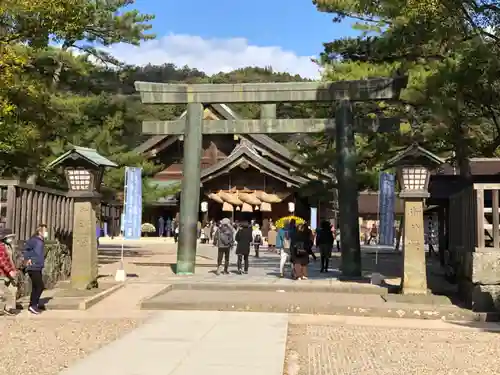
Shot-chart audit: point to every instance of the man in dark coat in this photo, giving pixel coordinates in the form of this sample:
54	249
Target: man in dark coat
324	240
244	240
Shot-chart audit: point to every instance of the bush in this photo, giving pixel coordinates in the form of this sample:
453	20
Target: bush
57	267
148	228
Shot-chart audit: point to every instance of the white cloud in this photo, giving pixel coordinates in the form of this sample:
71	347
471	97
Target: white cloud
214	55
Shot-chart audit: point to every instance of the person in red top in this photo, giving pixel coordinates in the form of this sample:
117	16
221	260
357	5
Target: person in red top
8	273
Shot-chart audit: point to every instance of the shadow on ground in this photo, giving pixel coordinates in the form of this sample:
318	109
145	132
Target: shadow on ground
111	254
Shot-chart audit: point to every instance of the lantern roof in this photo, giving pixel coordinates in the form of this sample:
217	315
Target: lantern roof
89	155
415	155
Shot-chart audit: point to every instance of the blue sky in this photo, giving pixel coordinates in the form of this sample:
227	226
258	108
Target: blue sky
223	35
291	24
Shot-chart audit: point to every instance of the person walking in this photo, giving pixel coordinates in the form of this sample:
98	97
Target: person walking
271	239
8	274
309	240
34	259
215	233
175	230
324	240
257	239
283	246
168	227
224	243
300	255
337	238
161	226
243	242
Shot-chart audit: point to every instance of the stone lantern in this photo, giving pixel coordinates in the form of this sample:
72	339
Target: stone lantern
413	169
84	170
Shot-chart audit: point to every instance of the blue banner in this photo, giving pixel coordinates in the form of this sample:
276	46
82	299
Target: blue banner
387	195
133	203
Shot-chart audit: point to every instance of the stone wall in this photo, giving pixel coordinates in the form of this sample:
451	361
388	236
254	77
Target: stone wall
479	279
57	266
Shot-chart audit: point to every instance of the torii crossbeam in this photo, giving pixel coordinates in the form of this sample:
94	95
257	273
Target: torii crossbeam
194	126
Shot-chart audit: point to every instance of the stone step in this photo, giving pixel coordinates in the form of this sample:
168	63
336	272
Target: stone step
280	285
368	305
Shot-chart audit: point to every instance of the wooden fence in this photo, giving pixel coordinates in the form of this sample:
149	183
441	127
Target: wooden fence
23	207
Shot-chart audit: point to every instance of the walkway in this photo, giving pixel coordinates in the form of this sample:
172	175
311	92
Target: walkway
193	343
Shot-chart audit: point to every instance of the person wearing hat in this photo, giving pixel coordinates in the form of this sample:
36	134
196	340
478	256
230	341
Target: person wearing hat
8	274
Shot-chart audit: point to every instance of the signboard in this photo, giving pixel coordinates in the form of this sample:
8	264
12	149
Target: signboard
133	203
386	198
314	218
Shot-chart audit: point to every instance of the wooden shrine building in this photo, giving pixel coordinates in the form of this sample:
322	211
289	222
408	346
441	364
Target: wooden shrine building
244	177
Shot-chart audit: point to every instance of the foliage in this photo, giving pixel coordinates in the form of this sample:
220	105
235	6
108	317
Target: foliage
449	49
147	228
58	89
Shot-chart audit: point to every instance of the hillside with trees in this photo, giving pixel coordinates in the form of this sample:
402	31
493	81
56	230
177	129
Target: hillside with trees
75	94
450	51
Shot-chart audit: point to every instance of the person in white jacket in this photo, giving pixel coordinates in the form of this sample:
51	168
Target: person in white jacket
257	239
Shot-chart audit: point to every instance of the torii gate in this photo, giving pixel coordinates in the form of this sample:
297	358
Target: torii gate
193	127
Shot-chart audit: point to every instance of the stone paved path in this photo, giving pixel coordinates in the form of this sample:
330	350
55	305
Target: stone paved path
193	343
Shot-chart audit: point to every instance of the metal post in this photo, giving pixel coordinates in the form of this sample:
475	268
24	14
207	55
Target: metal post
347	190
190	194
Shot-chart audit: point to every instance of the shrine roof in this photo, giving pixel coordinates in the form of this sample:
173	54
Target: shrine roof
245	155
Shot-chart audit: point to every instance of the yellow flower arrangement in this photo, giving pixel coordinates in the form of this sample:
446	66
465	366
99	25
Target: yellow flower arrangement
280	223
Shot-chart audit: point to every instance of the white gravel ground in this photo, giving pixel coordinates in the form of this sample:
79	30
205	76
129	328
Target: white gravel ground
47	346
339	349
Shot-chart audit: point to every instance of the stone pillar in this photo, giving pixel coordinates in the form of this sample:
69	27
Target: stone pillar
414	279
190	193
347	190
84	260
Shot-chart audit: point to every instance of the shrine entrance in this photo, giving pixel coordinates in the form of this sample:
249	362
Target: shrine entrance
342	126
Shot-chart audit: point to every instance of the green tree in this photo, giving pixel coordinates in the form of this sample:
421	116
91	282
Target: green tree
450	54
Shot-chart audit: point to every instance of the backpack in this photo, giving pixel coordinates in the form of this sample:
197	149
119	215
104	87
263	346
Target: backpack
225	237
258	238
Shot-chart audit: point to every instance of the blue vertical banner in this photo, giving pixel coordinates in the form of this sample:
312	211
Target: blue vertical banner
314	218
387	196
133	203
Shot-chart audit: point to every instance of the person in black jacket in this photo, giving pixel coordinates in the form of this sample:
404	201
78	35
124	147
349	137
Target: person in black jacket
300	255
324	240
34	259
244	240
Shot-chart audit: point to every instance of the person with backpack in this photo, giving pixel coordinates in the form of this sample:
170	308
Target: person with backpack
225	242
257	239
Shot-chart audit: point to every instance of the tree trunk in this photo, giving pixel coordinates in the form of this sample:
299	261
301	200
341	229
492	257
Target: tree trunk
462	149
